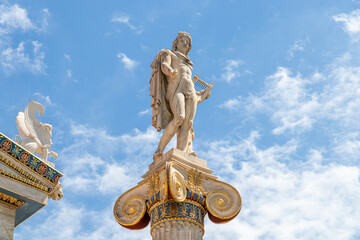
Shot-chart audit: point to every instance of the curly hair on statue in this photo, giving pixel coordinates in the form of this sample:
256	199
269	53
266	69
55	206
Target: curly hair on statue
180	35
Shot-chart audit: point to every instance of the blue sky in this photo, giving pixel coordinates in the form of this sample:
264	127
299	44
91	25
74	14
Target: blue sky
282	124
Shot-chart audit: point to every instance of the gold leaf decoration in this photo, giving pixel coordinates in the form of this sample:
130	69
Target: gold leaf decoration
10	201
195	180
153	184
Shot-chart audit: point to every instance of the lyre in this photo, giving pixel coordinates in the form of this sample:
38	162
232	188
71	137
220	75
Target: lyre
200	84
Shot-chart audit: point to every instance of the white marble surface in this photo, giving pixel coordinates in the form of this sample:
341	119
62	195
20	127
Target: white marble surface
7	222
23	190
177	230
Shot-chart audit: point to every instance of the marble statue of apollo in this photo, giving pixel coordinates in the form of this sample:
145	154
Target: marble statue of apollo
173	96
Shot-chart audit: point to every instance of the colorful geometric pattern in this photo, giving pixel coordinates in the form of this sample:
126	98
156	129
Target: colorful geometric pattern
29	160
172	210
195	196
154	199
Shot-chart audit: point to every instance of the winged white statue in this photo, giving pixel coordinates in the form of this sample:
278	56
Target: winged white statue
34	135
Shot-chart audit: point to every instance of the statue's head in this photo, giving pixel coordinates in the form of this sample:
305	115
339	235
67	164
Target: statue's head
182	37
57	192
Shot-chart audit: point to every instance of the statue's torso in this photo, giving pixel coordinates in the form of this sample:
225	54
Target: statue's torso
183	81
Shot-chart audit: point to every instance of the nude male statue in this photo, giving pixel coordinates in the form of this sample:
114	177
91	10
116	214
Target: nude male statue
174	99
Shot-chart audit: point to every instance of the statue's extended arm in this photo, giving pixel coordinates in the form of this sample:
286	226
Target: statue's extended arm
166	67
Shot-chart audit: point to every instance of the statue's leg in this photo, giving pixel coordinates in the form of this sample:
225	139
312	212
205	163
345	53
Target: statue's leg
185	137
178	109
45	152
189	146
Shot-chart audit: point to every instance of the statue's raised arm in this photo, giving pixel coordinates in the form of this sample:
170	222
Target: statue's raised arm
173	96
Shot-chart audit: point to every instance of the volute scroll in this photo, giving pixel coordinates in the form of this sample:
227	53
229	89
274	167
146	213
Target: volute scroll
130	209
223	202
176	184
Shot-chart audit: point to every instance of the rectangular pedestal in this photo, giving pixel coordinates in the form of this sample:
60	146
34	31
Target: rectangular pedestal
178	156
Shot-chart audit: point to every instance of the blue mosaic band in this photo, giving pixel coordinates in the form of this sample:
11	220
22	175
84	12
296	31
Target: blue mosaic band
29	160
171	210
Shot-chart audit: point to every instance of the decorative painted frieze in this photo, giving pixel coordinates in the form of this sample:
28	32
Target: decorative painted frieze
30	161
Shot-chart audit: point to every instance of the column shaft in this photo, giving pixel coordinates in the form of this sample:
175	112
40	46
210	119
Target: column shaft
7	221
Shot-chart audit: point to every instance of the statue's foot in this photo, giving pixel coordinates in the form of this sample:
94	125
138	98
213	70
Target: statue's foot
157	154
193	154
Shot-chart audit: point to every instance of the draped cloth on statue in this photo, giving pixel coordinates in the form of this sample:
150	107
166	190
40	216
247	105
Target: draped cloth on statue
161	112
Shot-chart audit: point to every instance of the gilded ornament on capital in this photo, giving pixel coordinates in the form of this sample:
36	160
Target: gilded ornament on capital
170	210
177	186
183	209
195	181
164	189
173	209
153	184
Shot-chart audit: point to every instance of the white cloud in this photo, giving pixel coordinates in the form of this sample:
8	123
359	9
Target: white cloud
296	103
13	17
324	103
67	57
98	168
287	100
65	219
139	142
145	112
87	132
92	172
302	200
341	97
69	73
93	162
351	22
125	19
14	60
71	220
44	24
349	146
232	104
129	64
45	100
298	45
231	70
308	200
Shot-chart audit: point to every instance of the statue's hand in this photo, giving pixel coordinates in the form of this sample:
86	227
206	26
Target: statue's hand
204	94
174	73
207	94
